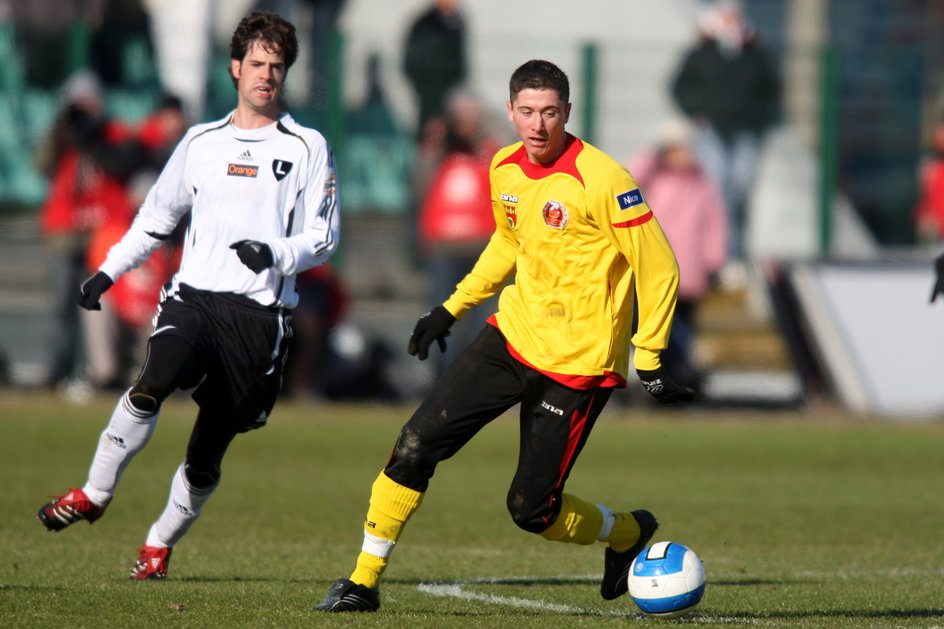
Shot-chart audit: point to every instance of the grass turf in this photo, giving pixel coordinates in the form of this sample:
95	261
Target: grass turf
802	520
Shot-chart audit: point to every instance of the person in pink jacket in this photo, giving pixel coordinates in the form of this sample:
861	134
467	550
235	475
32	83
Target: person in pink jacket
691	211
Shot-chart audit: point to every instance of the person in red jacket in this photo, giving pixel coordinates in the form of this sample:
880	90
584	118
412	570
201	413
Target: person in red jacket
929	212
161	129
455	218
88	159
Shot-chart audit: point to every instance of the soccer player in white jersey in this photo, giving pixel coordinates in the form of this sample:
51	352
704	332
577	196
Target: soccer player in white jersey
261	192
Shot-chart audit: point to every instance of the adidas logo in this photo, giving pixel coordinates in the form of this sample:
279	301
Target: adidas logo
184	510
246	155
155	562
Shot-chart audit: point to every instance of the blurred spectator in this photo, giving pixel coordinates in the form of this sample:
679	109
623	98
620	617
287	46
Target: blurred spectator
929	212
728	85
456	219
691	211
464	126
88	159
111	338
160	131
434	59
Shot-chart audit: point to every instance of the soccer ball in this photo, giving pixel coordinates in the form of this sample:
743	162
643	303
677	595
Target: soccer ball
667	580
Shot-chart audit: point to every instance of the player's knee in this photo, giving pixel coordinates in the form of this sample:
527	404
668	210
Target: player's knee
525	514
411	464
202	479
144	402
148	393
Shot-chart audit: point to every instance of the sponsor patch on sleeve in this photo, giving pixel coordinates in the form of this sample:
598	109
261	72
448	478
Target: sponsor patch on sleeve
630	199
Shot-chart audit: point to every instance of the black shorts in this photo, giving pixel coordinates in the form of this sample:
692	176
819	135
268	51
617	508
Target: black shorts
240	347
480	385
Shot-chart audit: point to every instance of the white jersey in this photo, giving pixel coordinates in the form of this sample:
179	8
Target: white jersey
276	185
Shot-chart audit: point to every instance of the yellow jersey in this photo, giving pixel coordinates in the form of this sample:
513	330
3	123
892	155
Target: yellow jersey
582	243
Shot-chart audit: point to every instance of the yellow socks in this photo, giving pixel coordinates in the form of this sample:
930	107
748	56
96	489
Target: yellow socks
625	531
391	505
580	522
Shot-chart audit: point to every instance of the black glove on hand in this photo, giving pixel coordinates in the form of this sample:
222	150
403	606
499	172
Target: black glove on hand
434	324
938	288
662	388
92	290
254	254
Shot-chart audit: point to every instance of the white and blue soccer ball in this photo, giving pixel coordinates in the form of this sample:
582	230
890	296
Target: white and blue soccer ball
667	580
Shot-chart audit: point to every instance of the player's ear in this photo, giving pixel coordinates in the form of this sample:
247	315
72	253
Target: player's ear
235	67
511	111
567	113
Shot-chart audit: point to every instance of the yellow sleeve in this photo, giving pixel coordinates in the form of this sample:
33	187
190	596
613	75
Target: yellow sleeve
637	234
495	265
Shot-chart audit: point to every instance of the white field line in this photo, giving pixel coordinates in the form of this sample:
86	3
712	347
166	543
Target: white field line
457	590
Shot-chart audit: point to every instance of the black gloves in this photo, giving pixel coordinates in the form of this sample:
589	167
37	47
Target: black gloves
938	288
662	388
434	324
92	290
254	254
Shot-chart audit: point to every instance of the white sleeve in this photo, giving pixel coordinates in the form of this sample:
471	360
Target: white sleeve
320	231
168	200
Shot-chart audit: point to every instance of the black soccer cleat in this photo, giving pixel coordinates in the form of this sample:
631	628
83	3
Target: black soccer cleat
347	596
616	565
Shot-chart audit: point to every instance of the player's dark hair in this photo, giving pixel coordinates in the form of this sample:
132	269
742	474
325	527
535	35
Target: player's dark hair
538	74
275	32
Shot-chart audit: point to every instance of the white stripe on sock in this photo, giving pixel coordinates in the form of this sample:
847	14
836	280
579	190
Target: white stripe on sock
607	527
377	546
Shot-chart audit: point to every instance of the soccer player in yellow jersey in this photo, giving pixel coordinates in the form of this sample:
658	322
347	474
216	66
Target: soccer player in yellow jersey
574	230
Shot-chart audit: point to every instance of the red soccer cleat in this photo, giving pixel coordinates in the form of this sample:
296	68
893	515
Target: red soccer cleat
68	509
152	563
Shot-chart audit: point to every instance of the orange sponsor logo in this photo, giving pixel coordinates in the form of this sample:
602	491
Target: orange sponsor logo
241	170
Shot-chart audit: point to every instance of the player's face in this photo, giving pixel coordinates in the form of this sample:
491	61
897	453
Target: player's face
259	77
539	117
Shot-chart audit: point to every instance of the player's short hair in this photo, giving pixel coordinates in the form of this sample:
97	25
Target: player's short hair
538	74
276	33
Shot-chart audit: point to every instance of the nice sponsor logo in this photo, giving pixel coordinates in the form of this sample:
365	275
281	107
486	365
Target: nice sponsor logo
242	170
630	199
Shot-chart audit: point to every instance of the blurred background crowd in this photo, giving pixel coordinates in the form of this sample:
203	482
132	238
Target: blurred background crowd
770	138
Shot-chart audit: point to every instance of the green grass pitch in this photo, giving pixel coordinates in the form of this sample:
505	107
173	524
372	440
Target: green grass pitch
802	520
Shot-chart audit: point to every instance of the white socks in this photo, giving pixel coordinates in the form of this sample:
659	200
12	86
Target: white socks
127	433
182	510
